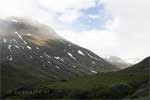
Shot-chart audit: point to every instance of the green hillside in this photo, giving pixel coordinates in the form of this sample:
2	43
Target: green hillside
124	84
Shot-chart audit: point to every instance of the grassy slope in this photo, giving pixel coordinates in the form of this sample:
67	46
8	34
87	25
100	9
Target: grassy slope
13	77
99	85
22	72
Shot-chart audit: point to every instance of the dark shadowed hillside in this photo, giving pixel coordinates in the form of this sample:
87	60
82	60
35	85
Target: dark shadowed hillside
141	67
127	84
31	52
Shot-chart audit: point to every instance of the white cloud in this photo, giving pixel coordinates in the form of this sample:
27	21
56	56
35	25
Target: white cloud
101	42
70	16
127	34
45	10
132	26
93	16
23	8
69	9
63	5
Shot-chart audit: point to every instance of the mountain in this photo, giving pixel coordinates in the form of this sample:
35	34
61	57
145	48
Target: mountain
141	67
127	84
133	60
32	52
118	62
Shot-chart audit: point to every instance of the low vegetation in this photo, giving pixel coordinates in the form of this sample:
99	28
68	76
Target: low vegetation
125	84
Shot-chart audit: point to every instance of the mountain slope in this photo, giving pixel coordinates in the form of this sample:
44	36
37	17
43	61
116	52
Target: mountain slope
117	62
141	67
124	84
32	52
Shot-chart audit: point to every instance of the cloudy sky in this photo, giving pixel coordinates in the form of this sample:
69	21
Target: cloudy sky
106	27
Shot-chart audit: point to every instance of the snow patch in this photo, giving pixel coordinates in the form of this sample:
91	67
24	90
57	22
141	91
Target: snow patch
62	59
46	55
21	37
9	47
81	53
57	58
37	48
93	71
93	62
29	47
10	58
17	46
69	45
57	67
49	62
93	57
4	40
74	66
71	55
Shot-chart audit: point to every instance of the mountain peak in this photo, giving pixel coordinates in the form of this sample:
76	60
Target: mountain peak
16	27
33	51
146	61
143	66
